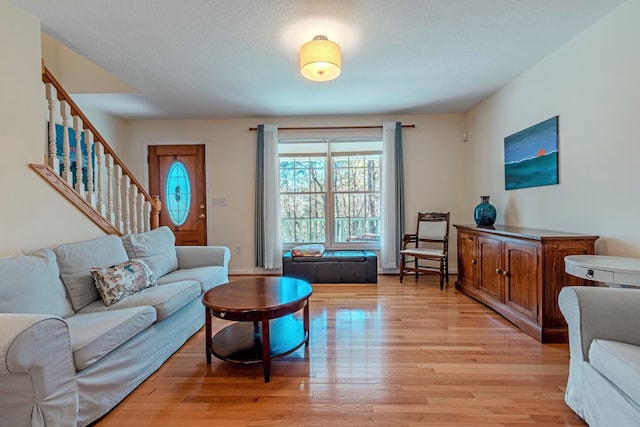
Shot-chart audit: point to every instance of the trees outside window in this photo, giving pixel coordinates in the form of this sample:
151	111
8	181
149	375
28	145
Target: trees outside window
330	192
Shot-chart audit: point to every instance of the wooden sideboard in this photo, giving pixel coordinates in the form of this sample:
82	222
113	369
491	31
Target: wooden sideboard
519	272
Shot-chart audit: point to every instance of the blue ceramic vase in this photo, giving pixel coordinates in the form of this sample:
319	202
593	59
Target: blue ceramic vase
485	212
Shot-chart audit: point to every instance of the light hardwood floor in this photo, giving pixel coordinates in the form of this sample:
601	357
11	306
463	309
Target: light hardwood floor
379	355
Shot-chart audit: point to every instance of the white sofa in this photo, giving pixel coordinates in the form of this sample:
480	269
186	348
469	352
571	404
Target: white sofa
66	358
604	343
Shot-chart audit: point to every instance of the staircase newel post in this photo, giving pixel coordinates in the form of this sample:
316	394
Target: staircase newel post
155	212
66	150
52	99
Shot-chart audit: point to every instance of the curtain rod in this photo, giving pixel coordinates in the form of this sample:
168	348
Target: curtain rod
335	127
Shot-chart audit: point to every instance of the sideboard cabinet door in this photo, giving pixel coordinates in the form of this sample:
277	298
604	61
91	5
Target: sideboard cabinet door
491	282
521	273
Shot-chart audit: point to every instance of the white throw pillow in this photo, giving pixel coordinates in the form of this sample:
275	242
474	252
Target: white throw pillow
116	282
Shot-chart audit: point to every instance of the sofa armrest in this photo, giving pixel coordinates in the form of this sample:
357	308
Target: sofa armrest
203	256
37	374
604	313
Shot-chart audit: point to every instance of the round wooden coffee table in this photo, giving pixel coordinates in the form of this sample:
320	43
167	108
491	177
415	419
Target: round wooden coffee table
263	308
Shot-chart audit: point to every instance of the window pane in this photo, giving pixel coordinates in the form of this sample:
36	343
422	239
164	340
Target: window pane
373	205
372	171
317	206
341	205
178	193
340	179
357	205
301	203
317	175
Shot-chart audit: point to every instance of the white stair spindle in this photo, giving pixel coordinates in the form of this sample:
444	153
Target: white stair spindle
88	142
100	179
140	211
126	211
118	197
66	150
52	99
147	215
110	179
134	211
77	126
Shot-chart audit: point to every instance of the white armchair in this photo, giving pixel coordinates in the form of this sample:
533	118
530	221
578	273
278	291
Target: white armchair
604	342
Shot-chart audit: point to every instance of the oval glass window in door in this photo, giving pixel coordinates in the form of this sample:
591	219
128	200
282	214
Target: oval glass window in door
178	193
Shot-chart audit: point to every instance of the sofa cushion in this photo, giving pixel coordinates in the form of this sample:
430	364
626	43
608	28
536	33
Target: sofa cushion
208	277
121	280
94	335
619	363
155	247
75	260
31	284
165	299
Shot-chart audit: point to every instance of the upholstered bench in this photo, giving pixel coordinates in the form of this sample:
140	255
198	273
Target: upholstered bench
353	266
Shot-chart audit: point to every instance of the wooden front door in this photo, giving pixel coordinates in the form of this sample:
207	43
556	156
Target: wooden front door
177	175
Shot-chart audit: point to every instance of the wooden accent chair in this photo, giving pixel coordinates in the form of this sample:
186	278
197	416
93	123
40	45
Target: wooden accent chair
427	250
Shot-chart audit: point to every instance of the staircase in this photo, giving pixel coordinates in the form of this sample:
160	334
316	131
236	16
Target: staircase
83	168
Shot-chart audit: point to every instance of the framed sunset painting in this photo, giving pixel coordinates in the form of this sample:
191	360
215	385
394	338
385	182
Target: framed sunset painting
531	156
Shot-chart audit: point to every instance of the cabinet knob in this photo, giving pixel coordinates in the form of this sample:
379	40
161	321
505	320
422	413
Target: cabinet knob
589	274
474	262
498	271
505	273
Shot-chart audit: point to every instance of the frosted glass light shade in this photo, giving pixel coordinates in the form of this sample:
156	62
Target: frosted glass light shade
320	59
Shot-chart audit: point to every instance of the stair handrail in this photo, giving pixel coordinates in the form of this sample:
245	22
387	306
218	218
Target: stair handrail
63	95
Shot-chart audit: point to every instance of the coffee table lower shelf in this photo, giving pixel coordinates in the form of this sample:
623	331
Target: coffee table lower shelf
241	342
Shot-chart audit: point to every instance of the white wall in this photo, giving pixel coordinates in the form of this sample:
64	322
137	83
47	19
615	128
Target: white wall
593	84
432	166
32	214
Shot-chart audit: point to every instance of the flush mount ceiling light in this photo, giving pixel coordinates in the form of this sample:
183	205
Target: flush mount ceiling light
320	59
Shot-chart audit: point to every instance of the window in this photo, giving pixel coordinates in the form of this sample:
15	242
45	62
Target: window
330	192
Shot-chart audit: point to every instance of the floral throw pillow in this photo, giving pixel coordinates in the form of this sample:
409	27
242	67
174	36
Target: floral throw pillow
121	280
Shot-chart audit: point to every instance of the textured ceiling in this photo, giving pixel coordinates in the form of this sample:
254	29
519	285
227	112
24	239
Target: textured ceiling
224	58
